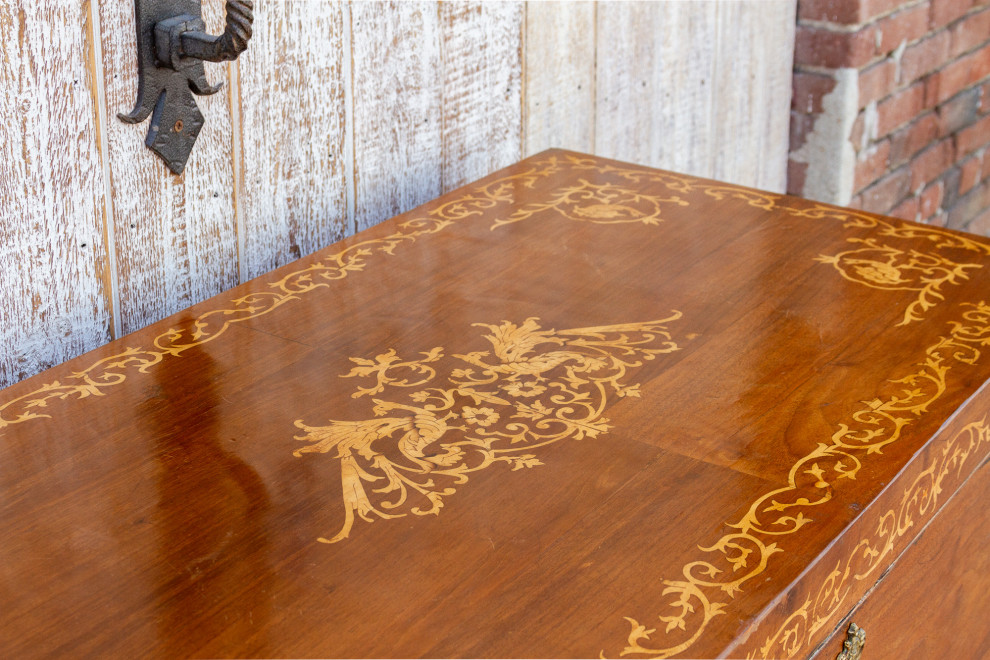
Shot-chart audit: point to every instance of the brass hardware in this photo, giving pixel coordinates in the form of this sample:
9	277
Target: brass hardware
852	648
172	46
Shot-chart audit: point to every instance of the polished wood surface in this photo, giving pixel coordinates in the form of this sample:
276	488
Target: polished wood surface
578	407
941	565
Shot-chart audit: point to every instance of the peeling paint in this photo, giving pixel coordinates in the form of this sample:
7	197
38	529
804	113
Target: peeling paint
828	151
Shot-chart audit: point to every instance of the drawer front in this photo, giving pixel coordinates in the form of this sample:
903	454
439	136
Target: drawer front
933	602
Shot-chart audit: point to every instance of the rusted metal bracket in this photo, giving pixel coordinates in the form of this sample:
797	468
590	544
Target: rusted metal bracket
172	45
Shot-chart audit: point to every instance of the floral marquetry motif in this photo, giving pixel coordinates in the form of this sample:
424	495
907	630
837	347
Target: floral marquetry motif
535	387
882	266
556	463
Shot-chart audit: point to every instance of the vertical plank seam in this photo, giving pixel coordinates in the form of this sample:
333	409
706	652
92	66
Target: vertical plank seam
237	167
712	112
523	114
347	72
442	35
593	128
103	144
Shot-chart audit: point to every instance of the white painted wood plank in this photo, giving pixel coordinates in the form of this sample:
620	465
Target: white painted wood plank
751	113
398	94
655	64
175	236
53	258
482	88
559	77
777	51
291	104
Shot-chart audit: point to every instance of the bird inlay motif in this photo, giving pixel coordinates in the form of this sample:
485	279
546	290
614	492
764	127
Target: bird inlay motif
533	388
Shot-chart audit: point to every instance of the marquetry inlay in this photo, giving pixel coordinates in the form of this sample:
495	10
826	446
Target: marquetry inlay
706	585
917	505
468	412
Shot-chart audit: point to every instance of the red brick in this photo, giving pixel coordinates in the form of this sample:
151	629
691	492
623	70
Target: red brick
972	172
951	193
930	201
985	96
900	108
801	126
887	193
946	11
816	46
980	224
808	91
958	112
872	166
903	26
906	142
856	202
796	176
986	166
961	73
973	137
872	8
877	82
843	12
970	33
906	210
925	56
859	125
970	206
931	163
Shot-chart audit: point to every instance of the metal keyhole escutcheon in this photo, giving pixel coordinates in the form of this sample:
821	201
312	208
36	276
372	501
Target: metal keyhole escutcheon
172	46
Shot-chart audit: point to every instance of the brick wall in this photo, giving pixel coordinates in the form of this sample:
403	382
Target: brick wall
891	108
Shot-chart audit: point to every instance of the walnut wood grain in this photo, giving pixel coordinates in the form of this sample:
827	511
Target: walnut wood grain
943	566
577	407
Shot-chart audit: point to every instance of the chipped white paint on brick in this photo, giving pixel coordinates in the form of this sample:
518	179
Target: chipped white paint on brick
53	261
828	151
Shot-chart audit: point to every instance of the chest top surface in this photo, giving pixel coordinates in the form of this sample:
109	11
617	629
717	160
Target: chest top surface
576	408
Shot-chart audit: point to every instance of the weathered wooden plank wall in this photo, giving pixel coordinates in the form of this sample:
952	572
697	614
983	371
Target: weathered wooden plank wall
175	237
54	277
339	115
290	140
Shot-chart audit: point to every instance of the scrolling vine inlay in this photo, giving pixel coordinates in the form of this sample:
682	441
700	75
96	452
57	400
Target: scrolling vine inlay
697	596
597	203
918	504
535	387
881	266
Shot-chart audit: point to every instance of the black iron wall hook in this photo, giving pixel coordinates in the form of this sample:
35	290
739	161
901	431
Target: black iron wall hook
172	45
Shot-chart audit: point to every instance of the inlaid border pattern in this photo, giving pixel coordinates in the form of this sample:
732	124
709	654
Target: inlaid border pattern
811	479
918	504
585	202
885	267
707	584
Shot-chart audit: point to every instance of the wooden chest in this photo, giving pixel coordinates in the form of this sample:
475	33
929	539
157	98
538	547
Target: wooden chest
576	408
